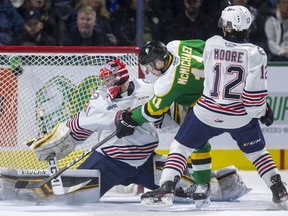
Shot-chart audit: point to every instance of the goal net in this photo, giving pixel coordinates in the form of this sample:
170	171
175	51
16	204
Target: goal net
59	80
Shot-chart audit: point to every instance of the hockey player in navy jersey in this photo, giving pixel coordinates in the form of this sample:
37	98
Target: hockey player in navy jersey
129	159
233	101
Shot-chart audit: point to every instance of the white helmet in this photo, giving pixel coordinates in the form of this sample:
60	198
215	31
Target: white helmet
239	16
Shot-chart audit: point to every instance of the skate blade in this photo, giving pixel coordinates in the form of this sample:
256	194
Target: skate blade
283	205
201	204
183	200
165	201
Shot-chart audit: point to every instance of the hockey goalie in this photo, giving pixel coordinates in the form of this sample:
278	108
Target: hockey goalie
119	161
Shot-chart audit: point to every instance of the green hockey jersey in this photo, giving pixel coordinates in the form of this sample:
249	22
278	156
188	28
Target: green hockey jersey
181	83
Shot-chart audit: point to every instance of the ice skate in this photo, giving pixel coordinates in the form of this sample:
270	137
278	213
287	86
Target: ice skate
201	195
163	196
185	193
280	196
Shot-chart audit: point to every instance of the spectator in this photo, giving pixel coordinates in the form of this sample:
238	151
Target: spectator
34	34
63	8
17	3
123	22
154	28
192	23
124	19
158	18
271	6
49	20
112	5
102	18
85	34
11	23
213	8
276	29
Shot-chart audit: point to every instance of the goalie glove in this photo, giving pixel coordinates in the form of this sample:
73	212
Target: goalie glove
268	118
125	125
58	143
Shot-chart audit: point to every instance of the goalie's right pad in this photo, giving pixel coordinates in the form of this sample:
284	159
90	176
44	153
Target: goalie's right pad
58	143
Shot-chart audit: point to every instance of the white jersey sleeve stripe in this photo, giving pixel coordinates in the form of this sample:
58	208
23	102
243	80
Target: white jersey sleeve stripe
77	132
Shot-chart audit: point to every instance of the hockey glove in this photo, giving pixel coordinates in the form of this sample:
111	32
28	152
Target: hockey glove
58	142
125	125
268	118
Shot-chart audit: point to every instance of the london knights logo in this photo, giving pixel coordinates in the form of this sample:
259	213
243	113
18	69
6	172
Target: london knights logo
61	99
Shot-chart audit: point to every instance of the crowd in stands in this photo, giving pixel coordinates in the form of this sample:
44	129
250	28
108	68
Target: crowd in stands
113	22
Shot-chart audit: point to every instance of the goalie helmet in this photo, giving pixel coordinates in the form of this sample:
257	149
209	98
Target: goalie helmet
152	51
113	74
239	17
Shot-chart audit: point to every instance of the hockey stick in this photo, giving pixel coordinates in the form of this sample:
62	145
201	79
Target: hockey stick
56	183
32	184
45	190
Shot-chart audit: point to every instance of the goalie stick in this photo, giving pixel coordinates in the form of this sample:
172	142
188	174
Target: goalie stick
33	184
46	190
56	183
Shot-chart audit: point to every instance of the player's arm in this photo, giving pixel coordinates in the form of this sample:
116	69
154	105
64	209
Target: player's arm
155	108
255	91
149	112
128	120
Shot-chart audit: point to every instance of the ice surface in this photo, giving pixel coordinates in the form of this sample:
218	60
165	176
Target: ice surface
256	203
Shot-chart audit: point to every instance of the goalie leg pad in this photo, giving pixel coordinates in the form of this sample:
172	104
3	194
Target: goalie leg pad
227	184
221	173
7	189
58	142
86	182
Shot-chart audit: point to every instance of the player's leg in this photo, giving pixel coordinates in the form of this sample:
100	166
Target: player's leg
226	184
170	176
148	174
193	134
251	141
201	166
113	172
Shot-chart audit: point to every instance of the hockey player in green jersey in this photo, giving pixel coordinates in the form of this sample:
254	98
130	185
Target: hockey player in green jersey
180	71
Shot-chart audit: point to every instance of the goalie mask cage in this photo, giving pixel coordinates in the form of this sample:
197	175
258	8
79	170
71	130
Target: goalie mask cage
59	80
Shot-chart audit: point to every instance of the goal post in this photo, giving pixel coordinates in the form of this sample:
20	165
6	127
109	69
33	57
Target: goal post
59	80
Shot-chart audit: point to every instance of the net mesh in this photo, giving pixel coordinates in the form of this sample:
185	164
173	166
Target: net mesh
60	82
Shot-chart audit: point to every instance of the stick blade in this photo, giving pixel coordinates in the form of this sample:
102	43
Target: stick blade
27	184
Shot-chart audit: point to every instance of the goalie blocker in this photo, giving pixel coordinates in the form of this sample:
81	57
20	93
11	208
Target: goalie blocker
13	183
